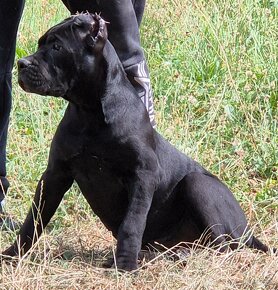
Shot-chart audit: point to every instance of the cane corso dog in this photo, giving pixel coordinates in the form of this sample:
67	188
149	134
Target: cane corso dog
141	187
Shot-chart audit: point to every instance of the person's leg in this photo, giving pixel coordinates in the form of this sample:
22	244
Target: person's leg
124	17
10	14
139	7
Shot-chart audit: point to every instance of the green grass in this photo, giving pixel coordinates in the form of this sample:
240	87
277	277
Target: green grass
214	71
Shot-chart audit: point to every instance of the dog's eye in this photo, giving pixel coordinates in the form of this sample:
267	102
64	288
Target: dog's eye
56	47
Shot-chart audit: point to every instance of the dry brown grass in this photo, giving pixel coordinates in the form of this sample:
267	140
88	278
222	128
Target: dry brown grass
73	257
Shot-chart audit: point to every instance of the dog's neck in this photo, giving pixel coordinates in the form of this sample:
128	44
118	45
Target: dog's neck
86	92
120	97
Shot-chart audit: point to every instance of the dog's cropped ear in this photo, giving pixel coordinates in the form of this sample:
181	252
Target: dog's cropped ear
98	34
78	22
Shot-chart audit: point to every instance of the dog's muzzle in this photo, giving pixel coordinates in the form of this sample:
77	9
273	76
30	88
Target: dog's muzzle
30	77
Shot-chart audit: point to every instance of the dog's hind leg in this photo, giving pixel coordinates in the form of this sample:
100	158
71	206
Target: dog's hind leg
50	191
214	210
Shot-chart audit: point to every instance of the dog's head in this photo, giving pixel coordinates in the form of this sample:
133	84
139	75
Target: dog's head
65	53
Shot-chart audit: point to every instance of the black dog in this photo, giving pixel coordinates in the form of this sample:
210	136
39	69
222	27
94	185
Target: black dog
141	187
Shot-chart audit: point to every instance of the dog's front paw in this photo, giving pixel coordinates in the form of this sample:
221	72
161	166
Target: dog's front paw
9	253
126	264
8	256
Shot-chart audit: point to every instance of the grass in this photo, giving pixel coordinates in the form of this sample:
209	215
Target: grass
214	75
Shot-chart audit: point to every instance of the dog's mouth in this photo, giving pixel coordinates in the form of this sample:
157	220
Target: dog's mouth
22	85
31	80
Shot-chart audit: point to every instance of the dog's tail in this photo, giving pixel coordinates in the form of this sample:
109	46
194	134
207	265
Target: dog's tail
255	243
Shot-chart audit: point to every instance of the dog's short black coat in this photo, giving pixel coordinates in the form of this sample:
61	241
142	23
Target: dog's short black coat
141	187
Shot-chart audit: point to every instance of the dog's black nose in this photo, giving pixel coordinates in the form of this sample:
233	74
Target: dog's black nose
23	63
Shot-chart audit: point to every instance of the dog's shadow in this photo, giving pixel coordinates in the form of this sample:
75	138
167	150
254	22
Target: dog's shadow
105	257
97	257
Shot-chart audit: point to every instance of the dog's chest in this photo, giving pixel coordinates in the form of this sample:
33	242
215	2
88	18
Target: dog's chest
103	159
96	166
101	168
101	164
103	187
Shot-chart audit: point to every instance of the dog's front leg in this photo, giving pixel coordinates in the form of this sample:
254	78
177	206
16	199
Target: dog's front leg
129	238
49	193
